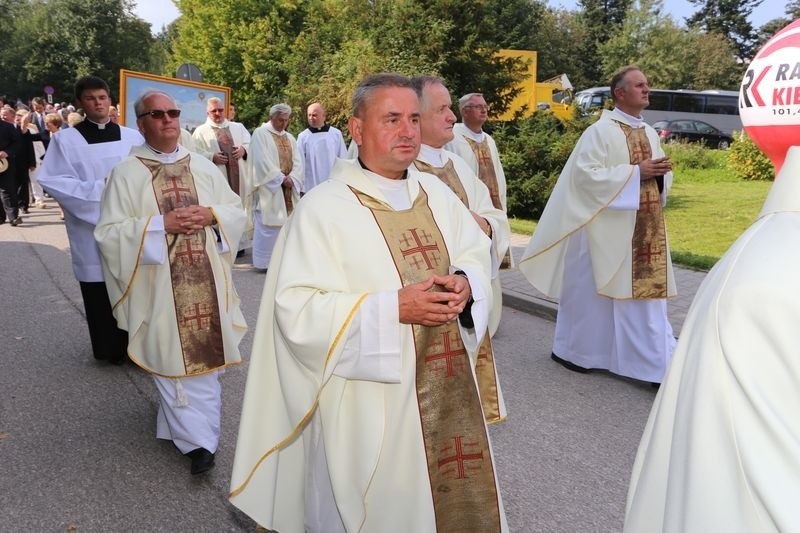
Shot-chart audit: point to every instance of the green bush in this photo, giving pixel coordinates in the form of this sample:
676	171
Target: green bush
693	156
533	152
747	161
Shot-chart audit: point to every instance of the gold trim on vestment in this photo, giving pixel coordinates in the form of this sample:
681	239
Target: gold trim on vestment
488	175
649	241
486	374
460	468
286	162
136	267
303	421
226	146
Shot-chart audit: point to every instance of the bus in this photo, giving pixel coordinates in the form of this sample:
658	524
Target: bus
718	108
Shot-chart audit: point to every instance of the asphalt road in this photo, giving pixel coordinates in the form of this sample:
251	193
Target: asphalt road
78	451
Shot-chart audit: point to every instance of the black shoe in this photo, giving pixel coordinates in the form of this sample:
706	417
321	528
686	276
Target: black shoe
202	460
17	221
239	254
24	210
569	366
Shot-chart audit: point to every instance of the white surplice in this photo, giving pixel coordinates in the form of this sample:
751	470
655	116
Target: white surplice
74	173
721	449
330	438
206	144
319	151
581	253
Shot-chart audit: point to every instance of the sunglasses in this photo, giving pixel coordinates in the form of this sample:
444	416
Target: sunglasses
158	114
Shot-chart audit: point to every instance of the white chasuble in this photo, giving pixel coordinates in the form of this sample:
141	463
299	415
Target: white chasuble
329	258
182	313
721	449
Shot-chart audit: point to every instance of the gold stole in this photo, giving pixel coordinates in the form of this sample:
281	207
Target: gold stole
485	369
649	243
226	146
456	443
193	286
488	176
286	163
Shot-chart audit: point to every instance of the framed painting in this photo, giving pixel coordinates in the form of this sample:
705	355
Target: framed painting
190	96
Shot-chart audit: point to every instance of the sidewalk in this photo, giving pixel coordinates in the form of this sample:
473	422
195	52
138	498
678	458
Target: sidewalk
520	294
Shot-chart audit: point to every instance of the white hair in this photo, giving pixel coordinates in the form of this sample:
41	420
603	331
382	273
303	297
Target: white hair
279	108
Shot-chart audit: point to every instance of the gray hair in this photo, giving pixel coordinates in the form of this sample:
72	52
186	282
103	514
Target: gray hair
138	105
213	100
618	79
420	82
279	108
464	100
372	83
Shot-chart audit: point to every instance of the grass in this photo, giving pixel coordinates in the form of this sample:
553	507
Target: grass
707	210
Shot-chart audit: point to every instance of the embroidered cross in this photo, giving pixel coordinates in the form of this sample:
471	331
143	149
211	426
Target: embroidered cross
455	464
429	252
649	201
483	355
647	253
175	189
187	254
447	354
198	317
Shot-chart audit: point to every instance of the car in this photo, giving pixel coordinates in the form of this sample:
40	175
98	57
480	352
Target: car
689	130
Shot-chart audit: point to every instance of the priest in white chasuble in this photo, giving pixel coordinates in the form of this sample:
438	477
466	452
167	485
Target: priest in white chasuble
168	229
361	411
277	181
226	144
320	145
720	449
436	127
479	150
601	245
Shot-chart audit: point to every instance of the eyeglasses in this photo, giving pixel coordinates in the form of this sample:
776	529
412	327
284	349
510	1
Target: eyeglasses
478	107
158	114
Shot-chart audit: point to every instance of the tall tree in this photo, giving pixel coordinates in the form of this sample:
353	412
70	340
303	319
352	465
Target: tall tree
729	18
602	19
772	27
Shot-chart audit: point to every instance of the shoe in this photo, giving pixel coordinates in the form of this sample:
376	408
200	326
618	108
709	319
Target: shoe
17	221
239	254
40	205
25	211
569	366
202	460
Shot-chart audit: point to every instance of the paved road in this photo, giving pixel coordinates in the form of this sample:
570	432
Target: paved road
77	446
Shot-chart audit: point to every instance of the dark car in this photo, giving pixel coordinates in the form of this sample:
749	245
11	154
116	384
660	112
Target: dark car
692	131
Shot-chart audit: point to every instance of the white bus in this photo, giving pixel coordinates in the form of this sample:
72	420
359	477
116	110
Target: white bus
718	108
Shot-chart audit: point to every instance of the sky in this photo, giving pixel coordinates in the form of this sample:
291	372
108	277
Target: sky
161	12
681	9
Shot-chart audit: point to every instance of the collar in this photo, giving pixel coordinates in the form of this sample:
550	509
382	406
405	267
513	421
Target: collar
431	155
99	126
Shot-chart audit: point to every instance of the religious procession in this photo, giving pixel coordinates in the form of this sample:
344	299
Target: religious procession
391	356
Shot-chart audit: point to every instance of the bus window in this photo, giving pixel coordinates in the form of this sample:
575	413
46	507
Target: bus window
659	101
689	103
722	105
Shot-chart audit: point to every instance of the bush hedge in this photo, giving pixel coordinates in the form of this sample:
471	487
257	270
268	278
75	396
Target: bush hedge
747	161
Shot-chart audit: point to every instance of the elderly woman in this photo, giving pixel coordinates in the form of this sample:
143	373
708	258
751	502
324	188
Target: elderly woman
30	131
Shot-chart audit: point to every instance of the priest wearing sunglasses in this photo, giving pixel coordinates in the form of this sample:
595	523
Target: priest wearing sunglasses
74	172
168	234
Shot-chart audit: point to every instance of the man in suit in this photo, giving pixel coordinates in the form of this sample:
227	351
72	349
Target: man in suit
9	147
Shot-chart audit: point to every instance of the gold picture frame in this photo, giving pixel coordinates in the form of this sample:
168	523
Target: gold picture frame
190	96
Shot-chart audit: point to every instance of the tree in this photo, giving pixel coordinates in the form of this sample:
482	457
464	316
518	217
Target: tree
728	18
772	27
602	20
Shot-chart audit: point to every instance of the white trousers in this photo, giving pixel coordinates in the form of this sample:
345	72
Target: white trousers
264	239
631	338
190	411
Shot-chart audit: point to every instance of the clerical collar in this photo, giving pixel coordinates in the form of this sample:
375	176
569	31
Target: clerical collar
323	129
365	167
634	121
165	157
271	128
223	124
434	156
99	126
478	137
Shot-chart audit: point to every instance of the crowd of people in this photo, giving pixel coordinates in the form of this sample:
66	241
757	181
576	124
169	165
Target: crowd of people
372	377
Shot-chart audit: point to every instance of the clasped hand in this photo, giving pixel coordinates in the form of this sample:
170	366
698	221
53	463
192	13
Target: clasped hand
651	168
188	219
421	305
